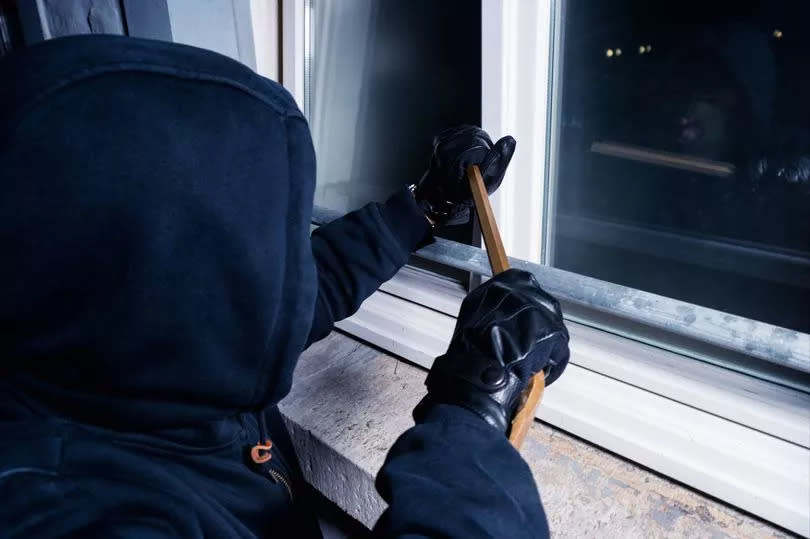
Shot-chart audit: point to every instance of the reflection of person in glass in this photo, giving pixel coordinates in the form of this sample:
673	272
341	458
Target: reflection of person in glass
161	282
728	74
733	114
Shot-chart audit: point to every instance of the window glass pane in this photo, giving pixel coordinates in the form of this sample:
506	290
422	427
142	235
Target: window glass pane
385	76
684	152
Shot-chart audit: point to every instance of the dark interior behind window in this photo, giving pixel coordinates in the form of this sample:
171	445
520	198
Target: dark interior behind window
684	154
385	77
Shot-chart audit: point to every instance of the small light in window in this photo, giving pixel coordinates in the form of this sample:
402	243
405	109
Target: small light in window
777	34
641	49
609	53
618	52
648	48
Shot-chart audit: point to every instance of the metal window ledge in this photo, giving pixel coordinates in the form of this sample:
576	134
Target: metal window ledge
779	346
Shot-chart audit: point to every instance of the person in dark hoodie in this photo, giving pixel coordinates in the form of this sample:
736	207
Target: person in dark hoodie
160	282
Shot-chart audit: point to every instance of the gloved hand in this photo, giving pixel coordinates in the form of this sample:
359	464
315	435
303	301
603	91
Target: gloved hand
443	192
508	329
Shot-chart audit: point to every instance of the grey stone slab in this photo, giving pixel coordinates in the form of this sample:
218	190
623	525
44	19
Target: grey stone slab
349	403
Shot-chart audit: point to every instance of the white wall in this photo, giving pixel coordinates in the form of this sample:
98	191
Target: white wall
223	26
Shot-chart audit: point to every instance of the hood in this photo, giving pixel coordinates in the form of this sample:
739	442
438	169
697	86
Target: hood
154	231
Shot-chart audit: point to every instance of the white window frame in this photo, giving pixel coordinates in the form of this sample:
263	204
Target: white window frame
741	439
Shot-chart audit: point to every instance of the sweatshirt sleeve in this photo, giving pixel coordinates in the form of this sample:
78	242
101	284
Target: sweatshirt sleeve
454	475
355	254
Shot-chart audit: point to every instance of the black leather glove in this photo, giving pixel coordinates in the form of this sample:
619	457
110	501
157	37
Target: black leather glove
508	330
443	191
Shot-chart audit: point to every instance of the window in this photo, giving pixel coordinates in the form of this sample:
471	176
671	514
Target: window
570	211
684	153
383	78
581	199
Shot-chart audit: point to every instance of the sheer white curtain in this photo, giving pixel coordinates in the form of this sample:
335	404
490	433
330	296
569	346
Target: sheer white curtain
342	33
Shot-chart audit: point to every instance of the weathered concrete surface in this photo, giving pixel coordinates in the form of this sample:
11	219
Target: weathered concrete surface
350	402
347	407
590	493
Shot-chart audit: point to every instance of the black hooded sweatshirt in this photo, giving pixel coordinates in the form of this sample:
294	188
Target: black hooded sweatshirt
159	283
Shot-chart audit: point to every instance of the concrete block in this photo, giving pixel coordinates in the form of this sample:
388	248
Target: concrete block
348	405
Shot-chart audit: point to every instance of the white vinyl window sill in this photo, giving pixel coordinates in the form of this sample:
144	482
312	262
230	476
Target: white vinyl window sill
742	440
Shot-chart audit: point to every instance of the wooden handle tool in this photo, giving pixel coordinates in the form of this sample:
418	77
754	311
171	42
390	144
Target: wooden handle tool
497	259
